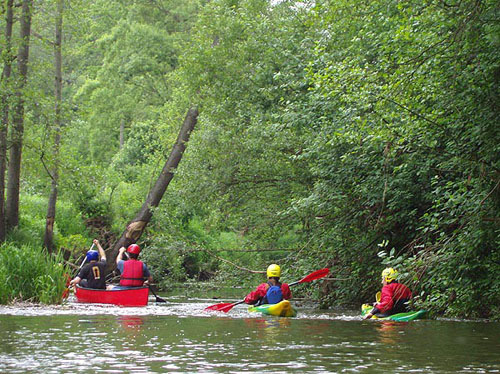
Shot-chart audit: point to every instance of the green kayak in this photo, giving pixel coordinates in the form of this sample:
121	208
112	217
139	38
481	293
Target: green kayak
399	317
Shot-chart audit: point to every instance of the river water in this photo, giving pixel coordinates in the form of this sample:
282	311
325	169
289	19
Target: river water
179	337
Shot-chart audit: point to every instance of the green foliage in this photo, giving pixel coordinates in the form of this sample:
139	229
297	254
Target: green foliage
140	148
165	261
126	201
401	152
240	140
69	229
325	129
30	274
380	129
133	50
84	187
4	288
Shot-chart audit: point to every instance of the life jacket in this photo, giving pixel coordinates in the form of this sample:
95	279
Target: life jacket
395	297
401	297
273	294
132	275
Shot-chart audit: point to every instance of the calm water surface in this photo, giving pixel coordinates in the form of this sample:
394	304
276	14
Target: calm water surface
179	337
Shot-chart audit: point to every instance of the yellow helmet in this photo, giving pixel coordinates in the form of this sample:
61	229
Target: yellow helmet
389	275
273	271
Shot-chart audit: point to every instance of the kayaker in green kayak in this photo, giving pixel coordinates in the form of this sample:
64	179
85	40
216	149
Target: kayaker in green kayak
394	296
271	292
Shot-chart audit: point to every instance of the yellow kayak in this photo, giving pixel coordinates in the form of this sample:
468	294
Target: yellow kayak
281	309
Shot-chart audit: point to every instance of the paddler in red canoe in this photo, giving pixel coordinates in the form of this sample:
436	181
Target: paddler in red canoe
133	273
271	292
93	273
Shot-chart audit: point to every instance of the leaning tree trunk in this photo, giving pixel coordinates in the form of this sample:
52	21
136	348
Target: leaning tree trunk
4	104
12	205
135	229
51	209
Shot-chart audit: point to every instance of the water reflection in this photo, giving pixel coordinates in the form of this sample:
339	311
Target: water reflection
390	332
268	324
131	322
180	338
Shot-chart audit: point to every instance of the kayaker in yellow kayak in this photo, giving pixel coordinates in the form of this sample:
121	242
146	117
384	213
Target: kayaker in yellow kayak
394	296
271	292
92	274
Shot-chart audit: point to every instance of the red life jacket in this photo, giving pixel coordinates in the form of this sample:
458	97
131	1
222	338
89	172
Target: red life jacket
132	275
393	294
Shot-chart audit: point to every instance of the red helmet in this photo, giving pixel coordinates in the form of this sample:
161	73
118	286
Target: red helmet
134	248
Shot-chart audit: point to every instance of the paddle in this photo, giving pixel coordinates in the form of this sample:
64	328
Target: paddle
158	299
84	261
70	287
313	276
226	307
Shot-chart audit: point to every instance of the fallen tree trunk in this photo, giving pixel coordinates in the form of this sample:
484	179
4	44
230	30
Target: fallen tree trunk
137	226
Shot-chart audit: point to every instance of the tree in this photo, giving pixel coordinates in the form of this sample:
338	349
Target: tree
51	209
135	229
14	173
4	104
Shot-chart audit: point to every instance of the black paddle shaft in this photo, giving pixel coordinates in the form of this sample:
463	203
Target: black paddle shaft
158	299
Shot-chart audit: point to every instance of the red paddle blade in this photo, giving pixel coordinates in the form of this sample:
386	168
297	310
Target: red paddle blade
222	307
315	275
227	308
218	307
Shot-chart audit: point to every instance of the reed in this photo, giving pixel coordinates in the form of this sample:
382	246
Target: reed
28	273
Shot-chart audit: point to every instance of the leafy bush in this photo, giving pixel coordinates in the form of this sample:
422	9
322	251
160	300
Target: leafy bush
84	187
69	228
165	261
126	200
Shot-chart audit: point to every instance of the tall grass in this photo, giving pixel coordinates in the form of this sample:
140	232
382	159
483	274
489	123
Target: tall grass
28	273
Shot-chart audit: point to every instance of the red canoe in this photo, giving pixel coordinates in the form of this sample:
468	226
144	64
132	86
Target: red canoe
128	297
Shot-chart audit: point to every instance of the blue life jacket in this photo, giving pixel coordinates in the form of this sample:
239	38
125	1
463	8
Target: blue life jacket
273	295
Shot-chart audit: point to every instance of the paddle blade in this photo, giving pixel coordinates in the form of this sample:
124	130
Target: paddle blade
222	307
315	275
158	298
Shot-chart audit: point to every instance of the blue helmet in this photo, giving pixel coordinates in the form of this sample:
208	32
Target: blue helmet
92	255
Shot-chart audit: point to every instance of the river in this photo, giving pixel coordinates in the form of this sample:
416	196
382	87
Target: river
180	337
